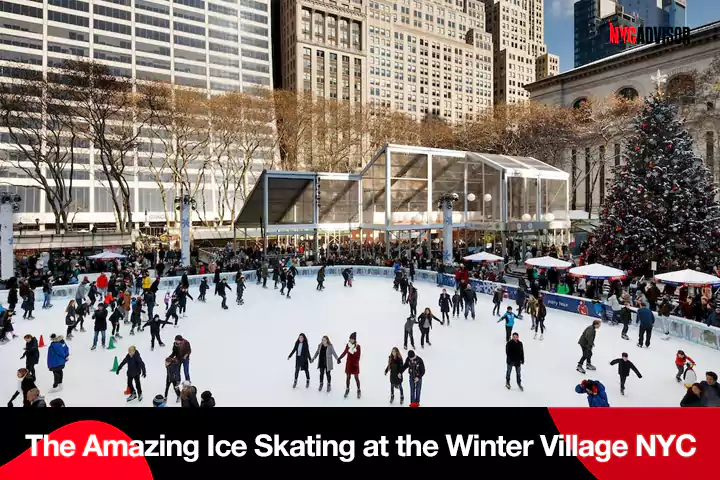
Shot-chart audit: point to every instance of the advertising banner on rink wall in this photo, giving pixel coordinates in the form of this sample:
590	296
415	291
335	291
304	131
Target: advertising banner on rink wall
148	443
679	327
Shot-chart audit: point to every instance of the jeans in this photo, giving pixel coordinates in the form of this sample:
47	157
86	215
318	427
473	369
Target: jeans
470	308
412	340
424	336
95	338
186	368
46	300
136	379
681	370
456	309
518	369
415	389
586	355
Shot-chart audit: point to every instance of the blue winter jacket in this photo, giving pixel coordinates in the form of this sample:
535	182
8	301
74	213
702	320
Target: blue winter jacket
645	317
57	353
509	319
599	400
396	267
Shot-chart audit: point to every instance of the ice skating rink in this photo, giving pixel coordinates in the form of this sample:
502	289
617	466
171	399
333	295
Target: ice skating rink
240	354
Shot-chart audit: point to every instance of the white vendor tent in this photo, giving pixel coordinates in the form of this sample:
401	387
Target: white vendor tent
106	256
597	271
691	278
548	262
482	257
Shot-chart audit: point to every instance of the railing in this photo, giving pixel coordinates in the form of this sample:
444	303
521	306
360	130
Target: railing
689	330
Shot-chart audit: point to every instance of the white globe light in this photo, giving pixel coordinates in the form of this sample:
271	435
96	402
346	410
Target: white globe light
471	197
488	197
408	216
526	217
549	217
418	218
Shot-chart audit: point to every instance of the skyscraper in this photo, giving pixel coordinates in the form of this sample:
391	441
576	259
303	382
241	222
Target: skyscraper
518	40
657	13
592	32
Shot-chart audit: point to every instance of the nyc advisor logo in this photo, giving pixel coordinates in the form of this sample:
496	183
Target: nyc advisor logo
647	35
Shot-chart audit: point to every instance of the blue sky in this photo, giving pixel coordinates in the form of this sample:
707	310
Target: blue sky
559	25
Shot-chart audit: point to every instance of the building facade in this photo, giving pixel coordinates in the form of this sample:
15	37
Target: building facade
518	40
658	13
211	45
629	74
546	65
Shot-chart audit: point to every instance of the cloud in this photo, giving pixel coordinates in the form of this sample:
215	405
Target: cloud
562	8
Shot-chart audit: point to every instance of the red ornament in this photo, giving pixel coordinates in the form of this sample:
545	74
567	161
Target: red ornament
669	146
637	148
618	228
643	125
651	165
674	187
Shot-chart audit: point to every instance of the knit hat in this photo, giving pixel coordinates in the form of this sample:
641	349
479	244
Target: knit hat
178	338
411	354
353	336
158	401
625	355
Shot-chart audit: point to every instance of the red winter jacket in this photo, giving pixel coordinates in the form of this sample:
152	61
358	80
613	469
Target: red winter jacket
462	274
102	281
681	360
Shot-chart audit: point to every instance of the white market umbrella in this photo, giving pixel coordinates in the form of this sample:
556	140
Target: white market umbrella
106	256
482	257
597	271
548	262
691	278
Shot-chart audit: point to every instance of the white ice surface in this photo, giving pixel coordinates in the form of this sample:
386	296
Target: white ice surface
241	354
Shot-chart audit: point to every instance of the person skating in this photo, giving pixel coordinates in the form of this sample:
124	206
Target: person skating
70	319
520	297
456	304
410	323
415	368
240	290
126	305
646	320
404	282
28	305
625	316
182	295
444	303
347	275
155	323
207	399
320	279
6	325
531	306
220	289
587	342
57	356
290	284
136	316
182	350
114	319
497	299
36	400
188	396
81	310
283	280
711	389
26	382
325	353
664	313
149	301
31	353
204	287
395	368
100	325
172	377
681	361
540	314
302	359
276	275
12	298
425	324
136	367
469	298
624	367
693	397
595	391
92	295
509	319
264	274
515	357
412	298
171	311
352	365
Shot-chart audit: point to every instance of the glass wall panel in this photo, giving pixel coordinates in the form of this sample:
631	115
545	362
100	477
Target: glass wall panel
302	211
522	198
374	192
409	201
408	165
485	183
554	198
447	177
338	201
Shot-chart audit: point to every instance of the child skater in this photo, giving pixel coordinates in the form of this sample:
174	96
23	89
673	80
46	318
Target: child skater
136	367
352	365
624	367
155	323
456	304
70	319
290	284
395	369
172	369
302	359
167	299
509	318
81	310
240	289
172	312
444	304
136	316
203	290
681	361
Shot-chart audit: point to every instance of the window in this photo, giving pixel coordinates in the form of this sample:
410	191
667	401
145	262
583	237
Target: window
214	7
254	5
152	34
629	93
254	17
63	17
112	27
71	4
154	21
255	42
151	7
26	11
111	12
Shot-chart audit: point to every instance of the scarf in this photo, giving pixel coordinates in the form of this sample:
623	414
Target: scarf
352	348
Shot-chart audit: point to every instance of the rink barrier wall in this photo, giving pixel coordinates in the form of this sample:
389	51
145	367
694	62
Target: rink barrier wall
679	327
689	330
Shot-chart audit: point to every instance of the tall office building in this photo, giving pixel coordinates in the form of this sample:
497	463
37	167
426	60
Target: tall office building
518	39
546	65
592	29
213	45
658	13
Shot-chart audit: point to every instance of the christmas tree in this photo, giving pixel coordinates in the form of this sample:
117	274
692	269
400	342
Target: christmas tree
661	205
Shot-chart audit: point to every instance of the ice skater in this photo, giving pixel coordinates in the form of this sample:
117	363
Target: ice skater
646	320
587	342
240	290
624	367
220	289
498	295
683	363
515	358
31	353
595	391
412	298
100	326
302	359
320	279
456	304
625	316
469	298
325	354
135	368
403	283
410	323
204	287
290	284
425	323
57	356
81	310
539	317
444	303
136	316
171	312
26	382
70	319
155	323
509	318
352	365
395	369
415	368
172	377
114	319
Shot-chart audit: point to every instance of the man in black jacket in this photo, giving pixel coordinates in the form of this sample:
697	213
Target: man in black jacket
100	317
31	354
415	367
711	389
515	358
624	367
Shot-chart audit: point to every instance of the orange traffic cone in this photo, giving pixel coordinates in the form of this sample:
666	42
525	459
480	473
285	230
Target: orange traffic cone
41	343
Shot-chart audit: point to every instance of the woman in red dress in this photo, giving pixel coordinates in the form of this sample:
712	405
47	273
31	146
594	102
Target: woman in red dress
352	366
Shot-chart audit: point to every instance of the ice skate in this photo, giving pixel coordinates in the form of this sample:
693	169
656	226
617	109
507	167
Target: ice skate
161	344
132	332
404	347
140	398
678	379
93	347
347	392
55	389
535	336
542	337
507	385
402	399
320	388
307	383
392	398
580	369
521	388
429	344
117	335
590	367
131	397
358	393
152	349
82	329
69	337
127	322
622	391
329	388
295	383
624	337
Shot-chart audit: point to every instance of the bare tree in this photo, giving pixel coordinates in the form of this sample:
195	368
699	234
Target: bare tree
44	140
294	114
